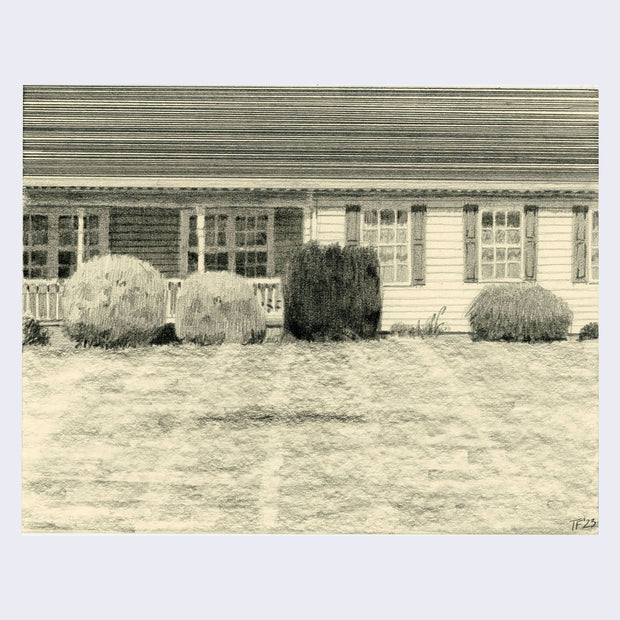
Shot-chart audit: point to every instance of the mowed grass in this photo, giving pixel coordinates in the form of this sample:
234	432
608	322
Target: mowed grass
389	436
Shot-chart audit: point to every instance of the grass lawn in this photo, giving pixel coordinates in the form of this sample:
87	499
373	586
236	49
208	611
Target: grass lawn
390	436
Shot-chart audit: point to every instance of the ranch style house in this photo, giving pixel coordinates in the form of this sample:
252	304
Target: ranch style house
456	188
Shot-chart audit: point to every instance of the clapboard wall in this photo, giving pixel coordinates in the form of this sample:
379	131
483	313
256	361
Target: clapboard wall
149	234
445	269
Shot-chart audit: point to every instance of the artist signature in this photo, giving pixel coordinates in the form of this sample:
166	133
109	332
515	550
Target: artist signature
583	524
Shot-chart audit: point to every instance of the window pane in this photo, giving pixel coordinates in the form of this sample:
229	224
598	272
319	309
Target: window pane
595	273
240	239
261	238
487	255
487	219
500	270
500	218
250	238
500	254
240	223
370	237
487	237
487	271
67	229
387	273
594	220
401	235
222	221
192	262
26	258
401	253
402	273
514	219
38	258
370	217
514	270
514	254
261	258
387	217
92	237
513	237
261	271
39	230
386	235
386	253
66	263
402	217
261	222
91	254
500	236
92	221
221	238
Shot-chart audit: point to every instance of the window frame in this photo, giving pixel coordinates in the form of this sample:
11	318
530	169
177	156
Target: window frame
408	243
54	247
506	209
231	248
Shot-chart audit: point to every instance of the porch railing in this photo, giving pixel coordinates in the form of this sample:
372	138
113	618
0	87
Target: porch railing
43	299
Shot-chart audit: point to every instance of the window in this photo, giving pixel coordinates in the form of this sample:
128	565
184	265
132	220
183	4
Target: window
36	238
234	240
501	244
389	231
51	242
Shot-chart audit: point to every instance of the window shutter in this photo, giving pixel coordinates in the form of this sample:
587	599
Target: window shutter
352	225
470	242
529	245
579	243
418	225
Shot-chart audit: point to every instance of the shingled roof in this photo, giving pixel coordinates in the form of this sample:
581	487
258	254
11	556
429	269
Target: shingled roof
307	135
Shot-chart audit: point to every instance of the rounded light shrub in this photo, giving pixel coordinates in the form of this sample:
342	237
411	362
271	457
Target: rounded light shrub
216	307
114	301
332	293
33	332
519	313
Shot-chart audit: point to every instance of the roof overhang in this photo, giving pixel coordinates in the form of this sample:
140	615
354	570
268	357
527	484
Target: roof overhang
309	184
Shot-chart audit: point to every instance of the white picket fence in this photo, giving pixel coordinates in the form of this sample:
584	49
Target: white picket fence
42	299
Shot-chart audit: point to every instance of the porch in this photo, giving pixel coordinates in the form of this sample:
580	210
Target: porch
42	299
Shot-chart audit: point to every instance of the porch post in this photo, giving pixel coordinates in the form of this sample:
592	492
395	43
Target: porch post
80	239
200	233
315	213
183	242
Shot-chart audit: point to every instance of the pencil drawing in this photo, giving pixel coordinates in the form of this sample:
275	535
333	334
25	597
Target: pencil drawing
310	310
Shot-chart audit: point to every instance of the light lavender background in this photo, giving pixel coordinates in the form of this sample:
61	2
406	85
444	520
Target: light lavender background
319	43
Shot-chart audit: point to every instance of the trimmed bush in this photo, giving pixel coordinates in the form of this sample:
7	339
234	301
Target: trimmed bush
216	307
114	301
589	332
332	293
33	332
519	313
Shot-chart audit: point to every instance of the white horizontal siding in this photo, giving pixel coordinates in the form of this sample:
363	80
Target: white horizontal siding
331	225
444	269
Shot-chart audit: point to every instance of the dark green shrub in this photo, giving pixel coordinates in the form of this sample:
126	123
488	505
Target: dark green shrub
217	307
166	334
589	332
114	301
519	313
33	332
332	293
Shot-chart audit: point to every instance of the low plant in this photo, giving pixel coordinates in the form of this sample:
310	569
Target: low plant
333	293
33	333
589	332
519	312
114	301
218	307
431	328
